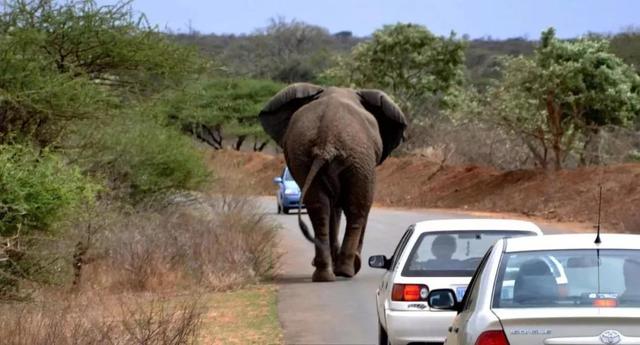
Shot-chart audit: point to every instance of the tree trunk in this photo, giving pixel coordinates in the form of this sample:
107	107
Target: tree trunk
239	142
557	132
262	146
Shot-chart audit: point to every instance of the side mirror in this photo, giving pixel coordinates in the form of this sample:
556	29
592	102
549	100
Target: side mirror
277	180
379	261
443	299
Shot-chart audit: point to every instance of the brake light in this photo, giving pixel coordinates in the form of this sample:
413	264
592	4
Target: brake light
492	338
605	303
409	292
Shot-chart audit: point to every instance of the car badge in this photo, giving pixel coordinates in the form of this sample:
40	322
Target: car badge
610	337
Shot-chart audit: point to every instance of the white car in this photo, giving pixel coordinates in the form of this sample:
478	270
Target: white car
599	304
433	254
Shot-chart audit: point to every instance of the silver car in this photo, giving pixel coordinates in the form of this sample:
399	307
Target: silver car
433	254
514	297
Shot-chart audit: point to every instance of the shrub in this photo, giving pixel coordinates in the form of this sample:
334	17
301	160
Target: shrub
218	244
142	157
37	190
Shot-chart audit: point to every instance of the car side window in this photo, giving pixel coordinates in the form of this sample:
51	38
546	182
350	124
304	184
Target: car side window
400	247
472	290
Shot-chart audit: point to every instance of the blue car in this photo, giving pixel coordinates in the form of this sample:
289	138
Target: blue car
288	195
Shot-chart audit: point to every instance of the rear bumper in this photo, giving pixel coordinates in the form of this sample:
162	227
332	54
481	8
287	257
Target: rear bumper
291	201
404	327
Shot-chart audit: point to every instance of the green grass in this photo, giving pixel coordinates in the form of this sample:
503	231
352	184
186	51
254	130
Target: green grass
245	316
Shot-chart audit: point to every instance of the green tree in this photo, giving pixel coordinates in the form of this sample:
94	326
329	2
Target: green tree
222	107
67	61
562	96
416	67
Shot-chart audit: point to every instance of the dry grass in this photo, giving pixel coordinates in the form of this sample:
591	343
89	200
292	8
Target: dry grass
90	320
214	244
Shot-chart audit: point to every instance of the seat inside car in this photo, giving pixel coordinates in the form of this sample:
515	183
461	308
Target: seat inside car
535	284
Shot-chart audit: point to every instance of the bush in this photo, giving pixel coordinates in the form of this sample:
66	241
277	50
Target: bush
218	245
37	190
141	157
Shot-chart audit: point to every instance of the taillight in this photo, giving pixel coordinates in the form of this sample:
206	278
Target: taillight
605	303
409	292
492	338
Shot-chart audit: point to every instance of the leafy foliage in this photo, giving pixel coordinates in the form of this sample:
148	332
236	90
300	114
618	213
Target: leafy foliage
141	157
77	82
37	189
559	97
409	62
222	106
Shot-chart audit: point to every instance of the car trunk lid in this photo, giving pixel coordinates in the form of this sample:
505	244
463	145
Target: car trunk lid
570	326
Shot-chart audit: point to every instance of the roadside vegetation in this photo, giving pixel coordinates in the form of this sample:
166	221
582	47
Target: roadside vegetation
108	232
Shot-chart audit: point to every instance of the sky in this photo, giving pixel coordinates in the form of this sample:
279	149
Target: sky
477	18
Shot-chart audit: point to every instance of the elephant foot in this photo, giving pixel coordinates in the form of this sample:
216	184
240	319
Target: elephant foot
344	269
323	276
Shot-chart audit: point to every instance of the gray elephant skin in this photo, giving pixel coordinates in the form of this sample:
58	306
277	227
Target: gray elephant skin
333	139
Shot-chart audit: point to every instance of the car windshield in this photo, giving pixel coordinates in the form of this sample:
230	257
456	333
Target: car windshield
451	253
286	175
569	278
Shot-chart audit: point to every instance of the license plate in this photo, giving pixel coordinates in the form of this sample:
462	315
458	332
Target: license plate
460	292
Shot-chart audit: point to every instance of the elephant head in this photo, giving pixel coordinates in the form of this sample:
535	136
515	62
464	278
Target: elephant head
333	138
275	116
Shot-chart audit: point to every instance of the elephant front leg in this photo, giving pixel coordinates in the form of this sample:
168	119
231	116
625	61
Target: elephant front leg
320	218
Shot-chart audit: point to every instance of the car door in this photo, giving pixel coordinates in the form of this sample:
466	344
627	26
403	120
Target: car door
457	331
384	289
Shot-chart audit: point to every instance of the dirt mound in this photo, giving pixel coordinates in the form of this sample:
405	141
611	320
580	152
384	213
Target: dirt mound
568	195
249	172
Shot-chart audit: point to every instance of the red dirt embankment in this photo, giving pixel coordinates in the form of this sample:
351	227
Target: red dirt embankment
411	181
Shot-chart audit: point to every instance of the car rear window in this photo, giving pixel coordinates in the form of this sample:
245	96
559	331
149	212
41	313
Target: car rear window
569	278
452	253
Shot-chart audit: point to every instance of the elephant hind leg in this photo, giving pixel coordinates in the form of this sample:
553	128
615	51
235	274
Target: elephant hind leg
334	231
318	208
356	200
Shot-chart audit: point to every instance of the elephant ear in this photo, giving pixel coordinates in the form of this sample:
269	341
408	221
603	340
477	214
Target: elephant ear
391	120
275	116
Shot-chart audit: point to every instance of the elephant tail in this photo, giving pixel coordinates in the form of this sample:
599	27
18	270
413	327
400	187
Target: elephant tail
317	164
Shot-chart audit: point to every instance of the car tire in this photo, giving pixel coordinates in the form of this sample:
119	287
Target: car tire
285	210
383	337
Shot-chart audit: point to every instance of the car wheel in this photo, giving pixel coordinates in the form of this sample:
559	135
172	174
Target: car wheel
279	209
285	210
383	338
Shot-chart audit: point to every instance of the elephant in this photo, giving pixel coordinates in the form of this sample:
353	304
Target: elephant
333	138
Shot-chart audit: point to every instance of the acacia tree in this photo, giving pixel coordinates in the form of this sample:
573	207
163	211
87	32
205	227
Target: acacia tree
56	56
221	107
419	69
562	96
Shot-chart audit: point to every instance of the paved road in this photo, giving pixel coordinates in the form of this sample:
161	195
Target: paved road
341	312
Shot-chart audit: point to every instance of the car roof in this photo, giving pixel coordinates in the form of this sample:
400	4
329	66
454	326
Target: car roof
485	224
573	241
